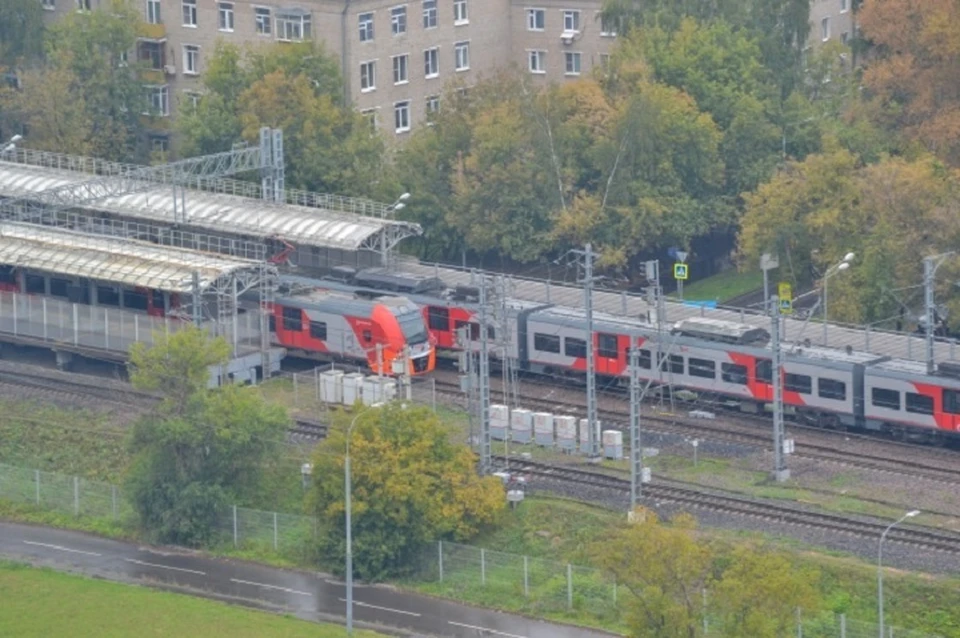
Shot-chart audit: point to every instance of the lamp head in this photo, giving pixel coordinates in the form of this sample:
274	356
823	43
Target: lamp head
16	138
848	257
406	196
843	265
399	206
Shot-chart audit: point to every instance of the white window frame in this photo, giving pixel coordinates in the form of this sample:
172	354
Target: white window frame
365	25
432	104
154	16
188	9
461	14
430	17
463	46
160	140
570	56
163	93
398	20
571	20
401	68
49	5
532	14
225	16
605	31
293	27
263	20
193	99
825	28
403	106
373	115
431	63
191	52
604	61
844	6
368	71
536	61
83	5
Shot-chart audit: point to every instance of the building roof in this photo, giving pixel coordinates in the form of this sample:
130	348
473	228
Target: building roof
130	263
217	213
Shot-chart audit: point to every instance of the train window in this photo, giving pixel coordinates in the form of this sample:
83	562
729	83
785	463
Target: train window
318	330
546	343
764	371
157	299
673	365
703	368
607	346
8	275
474	329
273	323
59	287
108	296
367	336
293	319
438	318
644	360
831	389
35	283
951	401
919	403
491	333
573	347
801	383
733	373
132	299
889	399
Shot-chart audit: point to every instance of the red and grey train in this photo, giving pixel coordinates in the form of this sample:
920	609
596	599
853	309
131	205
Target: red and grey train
720	360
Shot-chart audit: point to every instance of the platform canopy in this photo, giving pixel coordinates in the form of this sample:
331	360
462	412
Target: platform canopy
328	221
119	261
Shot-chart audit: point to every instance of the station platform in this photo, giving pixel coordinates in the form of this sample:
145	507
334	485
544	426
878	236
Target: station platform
106	334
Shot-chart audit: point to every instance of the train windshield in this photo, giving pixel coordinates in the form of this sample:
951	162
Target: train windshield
413	327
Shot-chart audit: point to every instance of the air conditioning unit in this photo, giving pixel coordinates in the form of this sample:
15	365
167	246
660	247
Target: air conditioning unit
567	37
170	69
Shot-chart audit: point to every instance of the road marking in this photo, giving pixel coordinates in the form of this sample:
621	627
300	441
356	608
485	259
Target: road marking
396	611
289	591
179	569
63	549
489	631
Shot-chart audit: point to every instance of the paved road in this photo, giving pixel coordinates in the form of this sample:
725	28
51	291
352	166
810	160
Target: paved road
306	595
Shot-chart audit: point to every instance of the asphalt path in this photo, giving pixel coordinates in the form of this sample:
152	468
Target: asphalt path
312	596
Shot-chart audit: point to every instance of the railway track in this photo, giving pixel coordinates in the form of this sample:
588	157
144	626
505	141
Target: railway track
666	493
82	388
744	435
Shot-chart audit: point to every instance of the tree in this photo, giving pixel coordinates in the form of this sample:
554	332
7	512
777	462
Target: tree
200	449
21	32
411	486
665	570
759	592
914	77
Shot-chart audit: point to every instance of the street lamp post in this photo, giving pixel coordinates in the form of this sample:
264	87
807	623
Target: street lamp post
883	537
348	494
843	265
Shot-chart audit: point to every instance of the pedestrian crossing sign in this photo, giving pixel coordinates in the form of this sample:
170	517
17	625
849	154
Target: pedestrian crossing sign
680	272
785	293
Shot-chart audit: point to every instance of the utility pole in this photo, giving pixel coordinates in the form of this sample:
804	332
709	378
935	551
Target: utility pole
486	461
592	441
780	471
636	452
930	266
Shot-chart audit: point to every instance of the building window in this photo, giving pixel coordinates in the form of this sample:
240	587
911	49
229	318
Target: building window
571	20
572	62
536	19
83	5
845	38
462	50
153	12
460	12
159	100
226	16
608	28
50	5
152	53
605	61
537	61
433	104
160	147
398	20
192	99
262	18
400	69
191	59
368	76
401	117
825	29
189	8
366	27
431	62
429	14
371	116
844	7
293	26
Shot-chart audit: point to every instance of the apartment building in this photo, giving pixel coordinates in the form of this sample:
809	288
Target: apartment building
396	56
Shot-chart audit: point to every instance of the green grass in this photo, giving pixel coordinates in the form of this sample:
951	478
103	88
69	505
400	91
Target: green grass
42	603
723	286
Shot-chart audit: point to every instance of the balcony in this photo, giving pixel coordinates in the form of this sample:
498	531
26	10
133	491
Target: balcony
152	31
